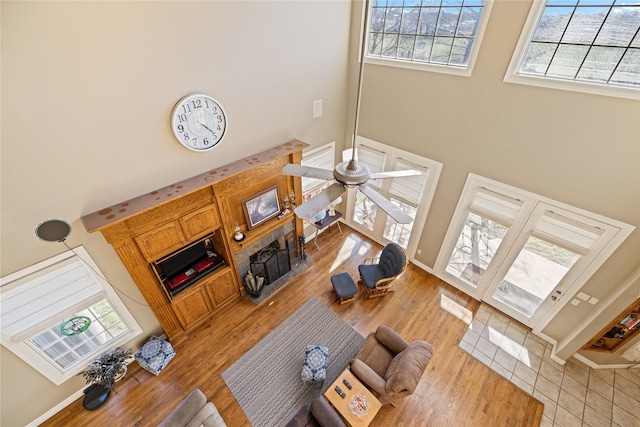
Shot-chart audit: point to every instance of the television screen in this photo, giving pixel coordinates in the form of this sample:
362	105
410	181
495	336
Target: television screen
183	260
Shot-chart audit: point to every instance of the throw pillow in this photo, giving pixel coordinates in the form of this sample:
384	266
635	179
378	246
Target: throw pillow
314	368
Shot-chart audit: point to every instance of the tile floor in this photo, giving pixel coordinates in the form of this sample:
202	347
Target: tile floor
573	394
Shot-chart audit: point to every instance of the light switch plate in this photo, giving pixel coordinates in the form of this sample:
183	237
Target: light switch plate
575	302
593	300
317	108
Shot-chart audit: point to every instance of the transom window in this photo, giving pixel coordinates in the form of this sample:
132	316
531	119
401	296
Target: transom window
582	42
441	33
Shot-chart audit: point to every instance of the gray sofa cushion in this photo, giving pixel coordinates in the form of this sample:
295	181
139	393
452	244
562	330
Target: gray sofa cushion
194	411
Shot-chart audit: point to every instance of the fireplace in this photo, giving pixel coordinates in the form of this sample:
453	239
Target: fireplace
271	261
285	237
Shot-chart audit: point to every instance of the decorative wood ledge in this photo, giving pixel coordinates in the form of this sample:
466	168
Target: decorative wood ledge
118	212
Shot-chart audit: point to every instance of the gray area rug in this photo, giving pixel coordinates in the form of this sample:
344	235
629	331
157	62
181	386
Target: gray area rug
266	380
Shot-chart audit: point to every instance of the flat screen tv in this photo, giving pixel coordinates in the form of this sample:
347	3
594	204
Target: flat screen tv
183	260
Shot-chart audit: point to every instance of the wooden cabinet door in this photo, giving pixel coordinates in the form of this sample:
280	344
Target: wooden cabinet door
193	308
200	222
161	241
223	289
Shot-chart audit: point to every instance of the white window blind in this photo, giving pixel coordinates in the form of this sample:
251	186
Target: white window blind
373	159
567	233
320	158
498	207
35	303
408	188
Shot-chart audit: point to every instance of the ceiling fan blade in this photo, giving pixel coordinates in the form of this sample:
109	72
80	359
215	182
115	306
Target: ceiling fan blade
319	202
386	205
307	172
395	174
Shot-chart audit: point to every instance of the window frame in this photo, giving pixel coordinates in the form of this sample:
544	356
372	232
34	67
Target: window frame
614	234
513	76
464	71
389	155
46	366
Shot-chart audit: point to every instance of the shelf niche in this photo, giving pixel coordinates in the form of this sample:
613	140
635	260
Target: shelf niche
617	333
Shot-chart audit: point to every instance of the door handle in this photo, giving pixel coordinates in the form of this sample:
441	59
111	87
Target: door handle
553	297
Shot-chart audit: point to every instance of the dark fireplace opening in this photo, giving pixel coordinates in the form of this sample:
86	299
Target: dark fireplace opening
272	261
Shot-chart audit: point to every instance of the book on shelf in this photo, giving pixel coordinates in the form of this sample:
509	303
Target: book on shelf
632	323
627	319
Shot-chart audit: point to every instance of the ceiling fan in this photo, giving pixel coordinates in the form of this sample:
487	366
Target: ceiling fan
350	173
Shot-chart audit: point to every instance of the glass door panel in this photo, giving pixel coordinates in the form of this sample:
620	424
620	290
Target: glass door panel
533	276
364	211
399	233
477	244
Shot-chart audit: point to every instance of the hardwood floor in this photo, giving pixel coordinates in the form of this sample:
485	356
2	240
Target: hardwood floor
456	390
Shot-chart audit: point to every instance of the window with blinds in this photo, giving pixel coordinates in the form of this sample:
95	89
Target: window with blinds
321	157
489	217
374	159
35	303
519	251
411	194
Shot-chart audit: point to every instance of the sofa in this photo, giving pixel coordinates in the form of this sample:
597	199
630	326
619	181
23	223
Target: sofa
318	413
194	411
390	366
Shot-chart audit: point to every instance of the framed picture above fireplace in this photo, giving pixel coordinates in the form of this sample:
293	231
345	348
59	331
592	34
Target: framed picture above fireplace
261	206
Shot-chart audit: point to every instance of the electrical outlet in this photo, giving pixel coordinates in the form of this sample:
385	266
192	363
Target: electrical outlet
317	108
419	251
583	296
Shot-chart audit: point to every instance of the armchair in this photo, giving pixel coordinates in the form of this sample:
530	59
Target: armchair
390	366
377	273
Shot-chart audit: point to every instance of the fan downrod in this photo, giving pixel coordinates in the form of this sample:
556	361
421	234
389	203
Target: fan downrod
351	173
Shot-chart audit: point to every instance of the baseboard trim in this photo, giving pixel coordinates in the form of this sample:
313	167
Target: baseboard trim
594	365
422	266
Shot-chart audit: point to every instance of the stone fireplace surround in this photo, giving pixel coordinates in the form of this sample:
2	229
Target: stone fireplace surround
286	231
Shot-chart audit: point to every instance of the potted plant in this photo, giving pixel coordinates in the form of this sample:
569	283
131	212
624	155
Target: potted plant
102	375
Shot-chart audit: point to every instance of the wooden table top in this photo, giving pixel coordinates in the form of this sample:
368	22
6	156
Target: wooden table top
359	391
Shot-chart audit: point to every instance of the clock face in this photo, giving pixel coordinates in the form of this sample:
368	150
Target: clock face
198	122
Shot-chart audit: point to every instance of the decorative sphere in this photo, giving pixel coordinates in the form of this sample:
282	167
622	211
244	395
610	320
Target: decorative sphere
320	216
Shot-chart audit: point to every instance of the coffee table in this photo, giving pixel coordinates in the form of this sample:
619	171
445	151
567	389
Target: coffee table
358	394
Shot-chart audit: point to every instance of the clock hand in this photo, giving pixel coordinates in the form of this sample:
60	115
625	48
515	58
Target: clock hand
204	126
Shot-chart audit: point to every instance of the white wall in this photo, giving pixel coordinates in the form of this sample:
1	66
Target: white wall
87	90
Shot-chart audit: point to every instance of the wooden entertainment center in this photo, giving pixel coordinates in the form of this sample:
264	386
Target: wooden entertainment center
177	242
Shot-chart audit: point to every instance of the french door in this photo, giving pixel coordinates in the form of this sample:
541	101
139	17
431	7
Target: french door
519	253
412	194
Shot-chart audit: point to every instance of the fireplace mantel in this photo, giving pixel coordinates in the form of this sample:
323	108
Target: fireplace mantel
203	209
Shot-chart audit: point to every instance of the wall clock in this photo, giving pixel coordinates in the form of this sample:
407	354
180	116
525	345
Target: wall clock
198	122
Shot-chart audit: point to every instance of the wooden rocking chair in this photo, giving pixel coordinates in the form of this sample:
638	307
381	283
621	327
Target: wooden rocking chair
377	273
